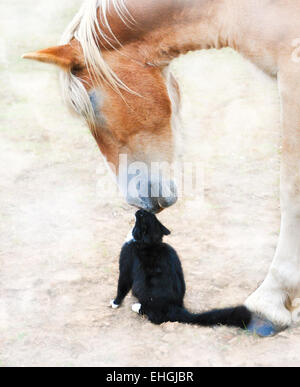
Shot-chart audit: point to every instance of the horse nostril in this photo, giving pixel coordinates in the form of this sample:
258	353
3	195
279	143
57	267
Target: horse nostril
167	202
169	194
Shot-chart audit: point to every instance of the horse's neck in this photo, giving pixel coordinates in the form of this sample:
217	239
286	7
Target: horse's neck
174	27
165	29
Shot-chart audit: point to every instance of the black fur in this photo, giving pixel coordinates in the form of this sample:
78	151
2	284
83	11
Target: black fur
153	271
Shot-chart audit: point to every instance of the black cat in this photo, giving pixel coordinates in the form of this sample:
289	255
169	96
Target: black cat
153	271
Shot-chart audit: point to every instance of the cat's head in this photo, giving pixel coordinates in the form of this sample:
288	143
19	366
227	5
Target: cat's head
148	228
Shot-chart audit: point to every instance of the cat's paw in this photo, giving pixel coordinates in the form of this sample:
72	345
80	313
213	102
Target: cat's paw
136	308
113	305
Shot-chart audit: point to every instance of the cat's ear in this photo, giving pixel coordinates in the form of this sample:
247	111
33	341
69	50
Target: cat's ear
136	233
165	231
140	228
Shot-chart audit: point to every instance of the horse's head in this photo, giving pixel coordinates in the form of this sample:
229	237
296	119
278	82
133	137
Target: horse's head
132	125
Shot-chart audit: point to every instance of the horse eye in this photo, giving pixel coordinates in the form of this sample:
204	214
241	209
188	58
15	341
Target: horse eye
76	68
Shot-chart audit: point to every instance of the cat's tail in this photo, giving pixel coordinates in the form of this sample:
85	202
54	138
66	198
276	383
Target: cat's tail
234	317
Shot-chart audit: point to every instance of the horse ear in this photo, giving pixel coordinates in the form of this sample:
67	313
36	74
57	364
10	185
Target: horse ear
62	56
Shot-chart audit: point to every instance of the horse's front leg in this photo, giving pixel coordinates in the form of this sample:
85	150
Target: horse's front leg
273	298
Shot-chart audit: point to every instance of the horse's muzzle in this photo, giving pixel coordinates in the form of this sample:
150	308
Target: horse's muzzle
158	197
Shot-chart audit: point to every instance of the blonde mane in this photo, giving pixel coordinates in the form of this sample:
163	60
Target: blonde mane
86	28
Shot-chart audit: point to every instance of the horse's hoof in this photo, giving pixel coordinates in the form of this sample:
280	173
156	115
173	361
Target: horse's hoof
263	328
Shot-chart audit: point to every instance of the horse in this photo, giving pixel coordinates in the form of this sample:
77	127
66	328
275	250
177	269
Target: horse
115	57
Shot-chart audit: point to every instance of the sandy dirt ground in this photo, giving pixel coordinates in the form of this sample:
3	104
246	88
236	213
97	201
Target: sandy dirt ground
60	236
